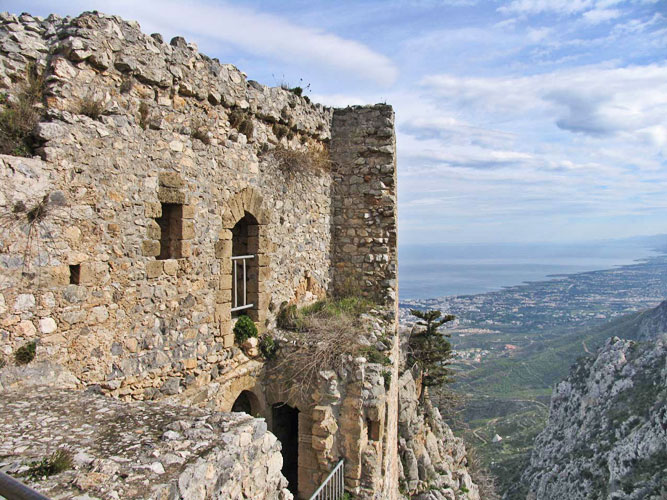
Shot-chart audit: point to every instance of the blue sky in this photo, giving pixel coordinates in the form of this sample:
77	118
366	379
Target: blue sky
523	120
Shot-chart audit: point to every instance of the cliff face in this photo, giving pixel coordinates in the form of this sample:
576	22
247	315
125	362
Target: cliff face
433	461
607	431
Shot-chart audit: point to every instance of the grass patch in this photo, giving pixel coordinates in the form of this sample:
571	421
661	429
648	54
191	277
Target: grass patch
328	331
20	115
313	159
59	461
91	107
297	319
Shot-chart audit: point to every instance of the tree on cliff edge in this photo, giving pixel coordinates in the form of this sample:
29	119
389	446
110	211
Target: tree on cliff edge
430	349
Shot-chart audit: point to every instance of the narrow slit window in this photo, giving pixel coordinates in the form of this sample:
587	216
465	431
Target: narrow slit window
171	231
373	429
74	274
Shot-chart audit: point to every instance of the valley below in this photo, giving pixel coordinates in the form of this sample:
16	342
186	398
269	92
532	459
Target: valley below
513	345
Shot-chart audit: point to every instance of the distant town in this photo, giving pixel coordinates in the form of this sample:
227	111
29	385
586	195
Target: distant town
501	322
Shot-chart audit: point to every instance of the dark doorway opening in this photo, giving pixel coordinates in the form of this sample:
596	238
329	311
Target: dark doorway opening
286	428
242	403
247	402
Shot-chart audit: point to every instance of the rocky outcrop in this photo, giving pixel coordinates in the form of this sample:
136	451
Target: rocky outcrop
433	461
138	450
607	432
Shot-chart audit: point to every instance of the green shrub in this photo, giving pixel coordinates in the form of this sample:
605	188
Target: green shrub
372	355
386	375
59	461
244	329
26	353
268	347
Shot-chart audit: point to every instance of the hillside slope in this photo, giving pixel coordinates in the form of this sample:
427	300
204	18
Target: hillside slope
607	431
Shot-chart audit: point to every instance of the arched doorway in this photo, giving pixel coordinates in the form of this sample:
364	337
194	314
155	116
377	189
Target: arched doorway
285	426
247	402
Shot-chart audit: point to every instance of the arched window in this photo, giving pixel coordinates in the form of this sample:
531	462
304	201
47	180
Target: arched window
245	275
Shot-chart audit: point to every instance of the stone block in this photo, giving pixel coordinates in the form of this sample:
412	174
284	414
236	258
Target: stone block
170	195
223	249
170	267
223	296
187	230
223	311
263	299
59	275
170	179
154	268
190	364
153	231
228	340
47	325
150	248
186	248
189	211
263	260
225	234
264	273
153	209
93	273
225	282
226	265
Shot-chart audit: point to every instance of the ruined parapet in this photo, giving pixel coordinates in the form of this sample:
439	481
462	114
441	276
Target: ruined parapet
138	450
363	152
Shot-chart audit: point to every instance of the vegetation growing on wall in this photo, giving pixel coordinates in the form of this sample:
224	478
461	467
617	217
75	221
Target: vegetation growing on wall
26	353
20	114
244	329
314	159
59	461
327	330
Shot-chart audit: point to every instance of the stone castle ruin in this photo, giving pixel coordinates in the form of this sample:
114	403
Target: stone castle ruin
161	196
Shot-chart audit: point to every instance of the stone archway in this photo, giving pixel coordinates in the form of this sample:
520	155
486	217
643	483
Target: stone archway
244	205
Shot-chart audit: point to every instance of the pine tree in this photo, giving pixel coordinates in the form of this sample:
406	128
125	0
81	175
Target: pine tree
430	349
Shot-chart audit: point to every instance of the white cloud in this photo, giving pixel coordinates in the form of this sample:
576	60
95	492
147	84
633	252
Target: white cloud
596	101
541	6
256	33
597	16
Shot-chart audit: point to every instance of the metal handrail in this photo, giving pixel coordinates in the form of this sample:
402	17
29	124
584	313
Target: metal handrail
244	305
333	487
13	489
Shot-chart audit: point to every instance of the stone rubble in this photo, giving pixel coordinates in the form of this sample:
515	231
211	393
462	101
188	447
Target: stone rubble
138	450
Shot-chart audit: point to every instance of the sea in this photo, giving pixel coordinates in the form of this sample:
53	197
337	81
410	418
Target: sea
439	270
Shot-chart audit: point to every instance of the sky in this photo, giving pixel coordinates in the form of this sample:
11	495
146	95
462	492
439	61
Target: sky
517	121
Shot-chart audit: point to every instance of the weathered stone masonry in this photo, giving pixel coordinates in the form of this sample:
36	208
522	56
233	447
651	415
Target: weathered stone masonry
125	278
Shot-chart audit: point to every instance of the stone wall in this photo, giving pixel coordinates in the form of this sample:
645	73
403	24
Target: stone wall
169	134
363	151
138	450
116	241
